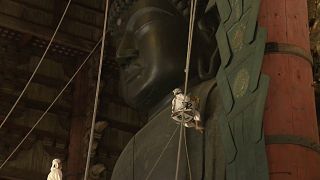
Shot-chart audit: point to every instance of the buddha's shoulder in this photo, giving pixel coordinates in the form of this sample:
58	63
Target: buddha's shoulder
208	93
208	84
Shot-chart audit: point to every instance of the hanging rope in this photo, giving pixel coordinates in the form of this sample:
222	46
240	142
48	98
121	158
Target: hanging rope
187	154
162	152
37	67
94	114
182	128
57	97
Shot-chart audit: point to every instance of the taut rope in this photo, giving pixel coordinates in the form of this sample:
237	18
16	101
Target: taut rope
94	114
37	67
182	128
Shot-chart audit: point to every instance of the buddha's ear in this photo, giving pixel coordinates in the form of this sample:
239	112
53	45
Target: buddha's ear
208	68
210	5
209	22
208	59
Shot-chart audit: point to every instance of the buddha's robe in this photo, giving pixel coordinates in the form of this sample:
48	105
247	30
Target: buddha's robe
205	150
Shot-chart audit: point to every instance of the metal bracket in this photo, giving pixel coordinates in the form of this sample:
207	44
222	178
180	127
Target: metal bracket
291	139
284	48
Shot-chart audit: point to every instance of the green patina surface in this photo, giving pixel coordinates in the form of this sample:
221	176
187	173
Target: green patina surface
243	89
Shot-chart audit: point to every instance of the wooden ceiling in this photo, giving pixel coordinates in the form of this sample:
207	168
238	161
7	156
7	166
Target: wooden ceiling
80	29
25	29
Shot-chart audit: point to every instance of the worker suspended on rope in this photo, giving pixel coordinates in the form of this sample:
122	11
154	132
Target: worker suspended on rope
56	173
188	107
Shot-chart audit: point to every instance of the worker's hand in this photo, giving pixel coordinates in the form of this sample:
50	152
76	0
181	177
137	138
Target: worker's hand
200	129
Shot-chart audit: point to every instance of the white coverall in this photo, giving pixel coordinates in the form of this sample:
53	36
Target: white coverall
56	173
177	105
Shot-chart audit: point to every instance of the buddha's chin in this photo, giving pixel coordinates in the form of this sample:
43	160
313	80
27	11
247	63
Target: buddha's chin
144	96
137	104
145	99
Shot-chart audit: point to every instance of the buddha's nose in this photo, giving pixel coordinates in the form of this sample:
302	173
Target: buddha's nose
126	46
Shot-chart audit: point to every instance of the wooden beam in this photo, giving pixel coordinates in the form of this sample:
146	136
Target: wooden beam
35	104
74	27
12	140
53	83
20	109
25	39
75	6
58	83
40	134
50	82
40	79
88	6
58	8
43	32
20	174
10	129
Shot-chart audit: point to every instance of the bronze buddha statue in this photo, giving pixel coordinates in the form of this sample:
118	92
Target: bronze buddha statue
151	40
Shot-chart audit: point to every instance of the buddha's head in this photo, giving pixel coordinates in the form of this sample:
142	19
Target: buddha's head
151	39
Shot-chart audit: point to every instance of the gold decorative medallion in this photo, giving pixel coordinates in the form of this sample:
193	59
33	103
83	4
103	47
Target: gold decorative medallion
241	83
237	8
238	38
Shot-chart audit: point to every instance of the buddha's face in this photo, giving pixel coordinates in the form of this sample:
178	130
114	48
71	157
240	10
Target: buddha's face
151	52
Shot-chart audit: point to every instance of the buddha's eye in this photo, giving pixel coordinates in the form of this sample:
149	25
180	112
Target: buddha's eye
124	65
126	56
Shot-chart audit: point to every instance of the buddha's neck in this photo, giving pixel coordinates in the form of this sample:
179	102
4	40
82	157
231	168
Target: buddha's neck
159	106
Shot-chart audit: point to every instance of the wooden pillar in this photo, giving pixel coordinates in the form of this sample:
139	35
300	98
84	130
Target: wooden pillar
76	161
290	107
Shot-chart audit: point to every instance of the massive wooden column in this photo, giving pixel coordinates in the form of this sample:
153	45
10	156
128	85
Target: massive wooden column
290	115
76	161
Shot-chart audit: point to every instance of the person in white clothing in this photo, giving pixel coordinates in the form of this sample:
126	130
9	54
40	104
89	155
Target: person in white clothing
56	173
185	105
